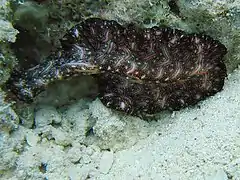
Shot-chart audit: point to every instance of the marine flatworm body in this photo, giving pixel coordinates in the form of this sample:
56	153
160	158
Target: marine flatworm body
138	70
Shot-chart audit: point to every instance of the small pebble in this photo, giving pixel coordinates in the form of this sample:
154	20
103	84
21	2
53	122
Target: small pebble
32	139
218	175
106	162
61	137
85	159
74	154
46	115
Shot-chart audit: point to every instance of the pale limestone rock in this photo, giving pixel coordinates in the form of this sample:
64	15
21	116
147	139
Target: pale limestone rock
46	115
32	138
106	162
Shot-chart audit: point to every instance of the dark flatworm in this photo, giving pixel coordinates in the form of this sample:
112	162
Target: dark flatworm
139	70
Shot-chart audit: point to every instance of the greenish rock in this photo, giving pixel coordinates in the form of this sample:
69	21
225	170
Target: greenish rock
7	32
147	13
8	118
11	146
31	16
218	19
25	114
7	62
4	9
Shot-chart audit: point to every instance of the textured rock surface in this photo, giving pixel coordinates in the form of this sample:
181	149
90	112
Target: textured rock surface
8	118
46	115
112	131
7	34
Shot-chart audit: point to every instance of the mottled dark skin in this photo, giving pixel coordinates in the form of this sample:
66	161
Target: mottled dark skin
138	70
